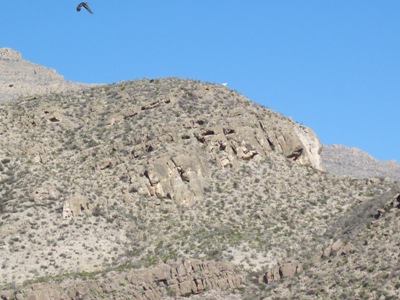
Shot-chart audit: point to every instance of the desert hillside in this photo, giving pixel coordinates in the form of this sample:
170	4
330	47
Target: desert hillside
170	188
346	161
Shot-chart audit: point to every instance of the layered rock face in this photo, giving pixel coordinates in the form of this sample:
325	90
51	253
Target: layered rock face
171	279
19	77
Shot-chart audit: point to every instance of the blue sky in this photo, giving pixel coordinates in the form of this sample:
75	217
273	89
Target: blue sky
332	65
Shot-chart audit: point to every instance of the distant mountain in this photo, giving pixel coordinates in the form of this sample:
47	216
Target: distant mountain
19	77
174	189
342	160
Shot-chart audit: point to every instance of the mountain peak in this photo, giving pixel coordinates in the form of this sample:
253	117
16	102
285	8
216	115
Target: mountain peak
21	78
9	54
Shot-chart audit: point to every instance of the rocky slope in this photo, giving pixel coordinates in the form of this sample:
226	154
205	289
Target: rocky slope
19	77
159	189
346	161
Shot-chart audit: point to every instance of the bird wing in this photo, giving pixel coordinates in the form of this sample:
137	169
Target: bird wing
78	8
87	7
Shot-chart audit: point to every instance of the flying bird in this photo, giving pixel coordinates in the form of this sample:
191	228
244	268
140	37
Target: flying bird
84	5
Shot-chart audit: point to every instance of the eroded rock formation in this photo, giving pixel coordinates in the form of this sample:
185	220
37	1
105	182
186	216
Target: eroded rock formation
173	278
281	271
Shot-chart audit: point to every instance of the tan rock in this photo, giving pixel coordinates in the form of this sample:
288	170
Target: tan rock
74	206
349	248
151	295
185	288
289	270
336	246
162	272
181	270
181	178
327	252
312	146
281	271
273	274
46	192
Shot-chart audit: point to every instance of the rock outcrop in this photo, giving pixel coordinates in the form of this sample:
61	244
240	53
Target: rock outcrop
312	146
282	271
8	54
74	206
338	248
180	177
171	279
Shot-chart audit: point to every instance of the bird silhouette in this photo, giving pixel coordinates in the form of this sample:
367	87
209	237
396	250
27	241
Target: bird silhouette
84	5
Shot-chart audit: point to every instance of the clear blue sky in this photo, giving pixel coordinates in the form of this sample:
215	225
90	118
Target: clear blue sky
333	65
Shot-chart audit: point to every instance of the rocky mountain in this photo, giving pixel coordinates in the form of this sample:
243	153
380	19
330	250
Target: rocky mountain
346	161
19	77
172	188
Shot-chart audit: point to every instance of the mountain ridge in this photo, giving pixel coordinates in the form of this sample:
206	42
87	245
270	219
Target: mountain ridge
19	77
351	161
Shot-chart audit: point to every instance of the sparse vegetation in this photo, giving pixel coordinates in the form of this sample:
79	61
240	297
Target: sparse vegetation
116	146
